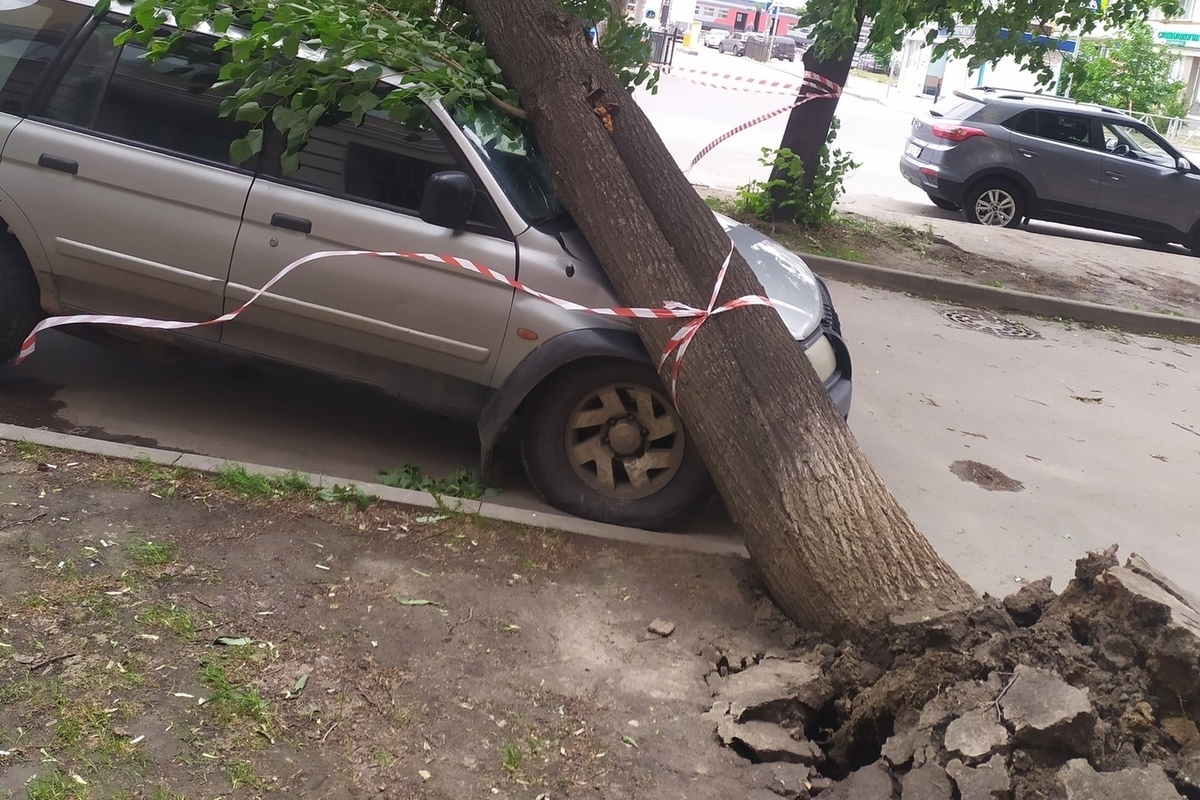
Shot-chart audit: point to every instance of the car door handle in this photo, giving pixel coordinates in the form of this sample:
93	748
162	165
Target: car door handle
291	223
67	165
1027	153
1116	176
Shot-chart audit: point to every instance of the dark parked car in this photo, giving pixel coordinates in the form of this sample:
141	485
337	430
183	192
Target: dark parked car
782	47
1005	156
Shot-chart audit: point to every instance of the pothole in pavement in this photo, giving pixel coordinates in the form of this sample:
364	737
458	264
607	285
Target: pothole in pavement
986	476
986	322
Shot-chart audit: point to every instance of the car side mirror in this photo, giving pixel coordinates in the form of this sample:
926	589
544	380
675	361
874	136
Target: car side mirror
1183	165
448	200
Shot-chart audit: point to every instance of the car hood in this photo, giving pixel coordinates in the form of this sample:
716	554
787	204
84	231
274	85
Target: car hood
783	274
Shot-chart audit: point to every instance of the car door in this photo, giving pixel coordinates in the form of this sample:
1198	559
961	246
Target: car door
427	331
122	168
1143	192
1056	152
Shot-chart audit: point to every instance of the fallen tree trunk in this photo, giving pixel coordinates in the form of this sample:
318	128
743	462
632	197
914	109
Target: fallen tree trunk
835	548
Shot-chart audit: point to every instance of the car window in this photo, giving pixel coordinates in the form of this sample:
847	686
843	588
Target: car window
1063	127
165	103
1134	143
1025	122
381	162
30	38
77	97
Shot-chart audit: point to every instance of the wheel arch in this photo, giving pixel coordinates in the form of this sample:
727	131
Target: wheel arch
15	225
561	352
1011	176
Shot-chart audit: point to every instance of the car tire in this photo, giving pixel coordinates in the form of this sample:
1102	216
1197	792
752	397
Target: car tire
572	460
944	204
20	307
994	201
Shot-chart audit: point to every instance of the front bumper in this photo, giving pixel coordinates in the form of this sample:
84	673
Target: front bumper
827	352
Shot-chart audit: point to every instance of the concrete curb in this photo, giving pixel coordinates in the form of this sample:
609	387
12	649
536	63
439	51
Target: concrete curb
978	296
711	545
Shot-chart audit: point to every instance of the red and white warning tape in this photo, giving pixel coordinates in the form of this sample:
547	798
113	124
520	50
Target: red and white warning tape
742	82
819	88
677	344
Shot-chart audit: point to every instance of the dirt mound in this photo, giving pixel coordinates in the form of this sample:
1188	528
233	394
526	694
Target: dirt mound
1086	695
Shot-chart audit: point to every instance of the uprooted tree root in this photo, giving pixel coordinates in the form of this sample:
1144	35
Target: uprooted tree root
986	702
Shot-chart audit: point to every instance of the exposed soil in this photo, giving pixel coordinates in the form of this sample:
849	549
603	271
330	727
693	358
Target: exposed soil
985	476
169	634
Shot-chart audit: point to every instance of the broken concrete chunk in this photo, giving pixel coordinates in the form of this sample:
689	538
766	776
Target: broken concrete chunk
869	783
785	779
976	734
1046	711
986	782
766	741
958	700
1081	782
1026	605
772	688
1174	654
929	782
900	748
661	627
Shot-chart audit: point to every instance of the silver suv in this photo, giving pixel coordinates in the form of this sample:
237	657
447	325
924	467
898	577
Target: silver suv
119	197
1006	156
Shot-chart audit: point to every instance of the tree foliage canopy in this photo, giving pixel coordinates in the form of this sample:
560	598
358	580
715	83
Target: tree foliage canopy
1130	72
295	61
981	31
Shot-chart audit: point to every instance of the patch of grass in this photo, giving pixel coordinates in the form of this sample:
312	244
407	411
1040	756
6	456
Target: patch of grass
255	486
178	621
383	759
163	793
242	773
146	553
512	757
54	786
229	700
28	451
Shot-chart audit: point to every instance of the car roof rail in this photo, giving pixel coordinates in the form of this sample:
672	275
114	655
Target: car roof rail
1022	94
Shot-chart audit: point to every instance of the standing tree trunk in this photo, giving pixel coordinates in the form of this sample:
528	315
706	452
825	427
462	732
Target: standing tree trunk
835	549
808	124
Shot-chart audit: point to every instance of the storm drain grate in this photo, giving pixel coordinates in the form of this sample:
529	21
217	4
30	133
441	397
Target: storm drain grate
976	320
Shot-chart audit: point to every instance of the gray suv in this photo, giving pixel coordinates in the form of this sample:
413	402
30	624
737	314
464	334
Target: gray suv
1005	156
118	196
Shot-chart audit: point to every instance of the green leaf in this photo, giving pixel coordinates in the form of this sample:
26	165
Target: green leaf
251	112
301	682
628	741
289	162
240	151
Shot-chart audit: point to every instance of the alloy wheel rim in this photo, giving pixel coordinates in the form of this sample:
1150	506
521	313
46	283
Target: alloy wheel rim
624	441
995	207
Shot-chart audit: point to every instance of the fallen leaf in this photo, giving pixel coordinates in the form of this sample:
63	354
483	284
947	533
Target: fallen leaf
415	601
428	518
1083	399
233	641
628	741
424	773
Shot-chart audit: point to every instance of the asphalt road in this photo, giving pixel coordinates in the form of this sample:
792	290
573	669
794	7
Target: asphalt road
1118	465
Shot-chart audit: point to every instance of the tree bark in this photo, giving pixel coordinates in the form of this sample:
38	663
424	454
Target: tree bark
808	124
836	550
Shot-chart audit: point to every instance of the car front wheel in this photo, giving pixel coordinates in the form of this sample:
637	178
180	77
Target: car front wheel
20	308
994	202
602	441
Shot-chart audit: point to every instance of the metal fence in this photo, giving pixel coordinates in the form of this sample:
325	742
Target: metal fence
1183	132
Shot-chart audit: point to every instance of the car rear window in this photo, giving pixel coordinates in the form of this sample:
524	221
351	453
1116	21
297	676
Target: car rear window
955	107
